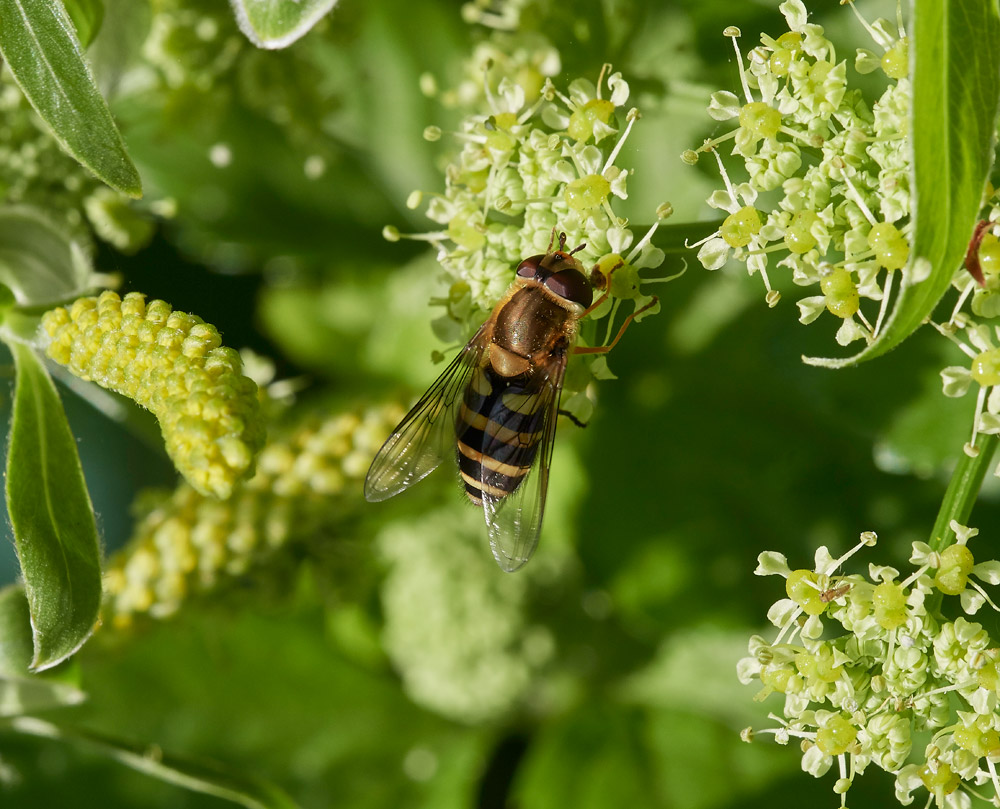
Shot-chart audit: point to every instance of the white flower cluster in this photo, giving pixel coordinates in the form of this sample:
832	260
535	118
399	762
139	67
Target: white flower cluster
527	170
865	663
843	217
456	626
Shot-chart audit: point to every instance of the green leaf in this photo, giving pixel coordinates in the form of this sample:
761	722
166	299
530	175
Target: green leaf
20	691
39	45
87	16
55	534
615	775
38	262
199	776
278	23
118	45
956	92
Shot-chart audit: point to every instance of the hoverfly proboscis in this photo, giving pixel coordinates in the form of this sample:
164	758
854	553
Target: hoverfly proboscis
496	404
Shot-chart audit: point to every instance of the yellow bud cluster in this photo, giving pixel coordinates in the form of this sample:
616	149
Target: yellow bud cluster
306	477
175	365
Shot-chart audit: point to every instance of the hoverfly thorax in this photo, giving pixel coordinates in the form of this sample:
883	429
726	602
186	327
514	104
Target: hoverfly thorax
495	407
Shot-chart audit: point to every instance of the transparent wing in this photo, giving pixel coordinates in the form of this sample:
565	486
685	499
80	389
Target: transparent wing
515	521
426	435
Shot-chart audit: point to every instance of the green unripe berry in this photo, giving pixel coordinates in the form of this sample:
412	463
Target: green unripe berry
819	666
780	61
625	282
778	679
587	192
989	255
820	71
988	677
890	246
790	41
941	780
842	297
978	742
893	256
882	233
802	588
738	228
581	122
761	119
889	601
798	235
837	736
953	575
896	60
986	367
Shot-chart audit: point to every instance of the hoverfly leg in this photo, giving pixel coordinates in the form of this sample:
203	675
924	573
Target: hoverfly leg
621	331
599	280
581	424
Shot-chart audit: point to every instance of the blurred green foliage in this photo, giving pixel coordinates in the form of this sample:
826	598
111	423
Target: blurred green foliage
280	169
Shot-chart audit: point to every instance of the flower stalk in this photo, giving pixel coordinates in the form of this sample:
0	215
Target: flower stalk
963	488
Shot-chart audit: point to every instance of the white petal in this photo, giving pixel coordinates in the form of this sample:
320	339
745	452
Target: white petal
955	380
713	254
724	105
988	572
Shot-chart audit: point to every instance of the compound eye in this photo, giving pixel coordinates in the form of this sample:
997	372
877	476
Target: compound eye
571	285
529	267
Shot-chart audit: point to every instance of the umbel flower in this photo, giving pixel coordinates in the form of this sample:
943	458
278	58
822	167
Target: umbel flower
456	626
867	665
531	164
841	221
173	364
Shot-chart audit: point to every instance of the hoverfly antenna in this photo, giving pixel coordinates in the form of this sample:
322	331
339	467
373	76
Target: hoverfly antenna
562	241
552	240
578	248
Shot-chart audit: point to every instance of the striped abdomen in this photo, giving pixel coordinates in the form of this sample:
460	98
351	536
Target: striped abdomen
498	429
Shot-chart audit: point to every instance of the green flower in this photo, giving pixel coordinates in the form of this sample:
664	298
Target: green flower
173	364
456	626
863	665
532	165
841	222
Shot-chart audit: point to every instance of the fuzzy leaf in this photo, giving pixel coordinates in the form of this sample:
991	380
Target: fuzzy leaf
956	91
87	16
20	691
39	44
55	533
278	23
38	262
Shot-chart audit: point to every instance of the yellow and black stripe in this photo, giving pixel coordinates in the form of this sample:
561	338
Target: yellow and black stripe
498	428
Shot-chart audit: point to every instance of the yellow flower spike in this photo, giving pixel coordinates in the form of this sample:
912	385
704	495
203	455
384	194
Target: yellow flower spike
304	487
174	365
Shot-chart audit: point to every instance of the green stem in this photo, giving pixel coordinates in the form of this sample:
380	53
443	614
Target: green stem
673	239
962	491
196	775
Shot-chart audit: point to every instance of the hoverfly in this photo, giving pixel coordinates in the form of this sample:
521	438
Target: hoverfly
496	404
